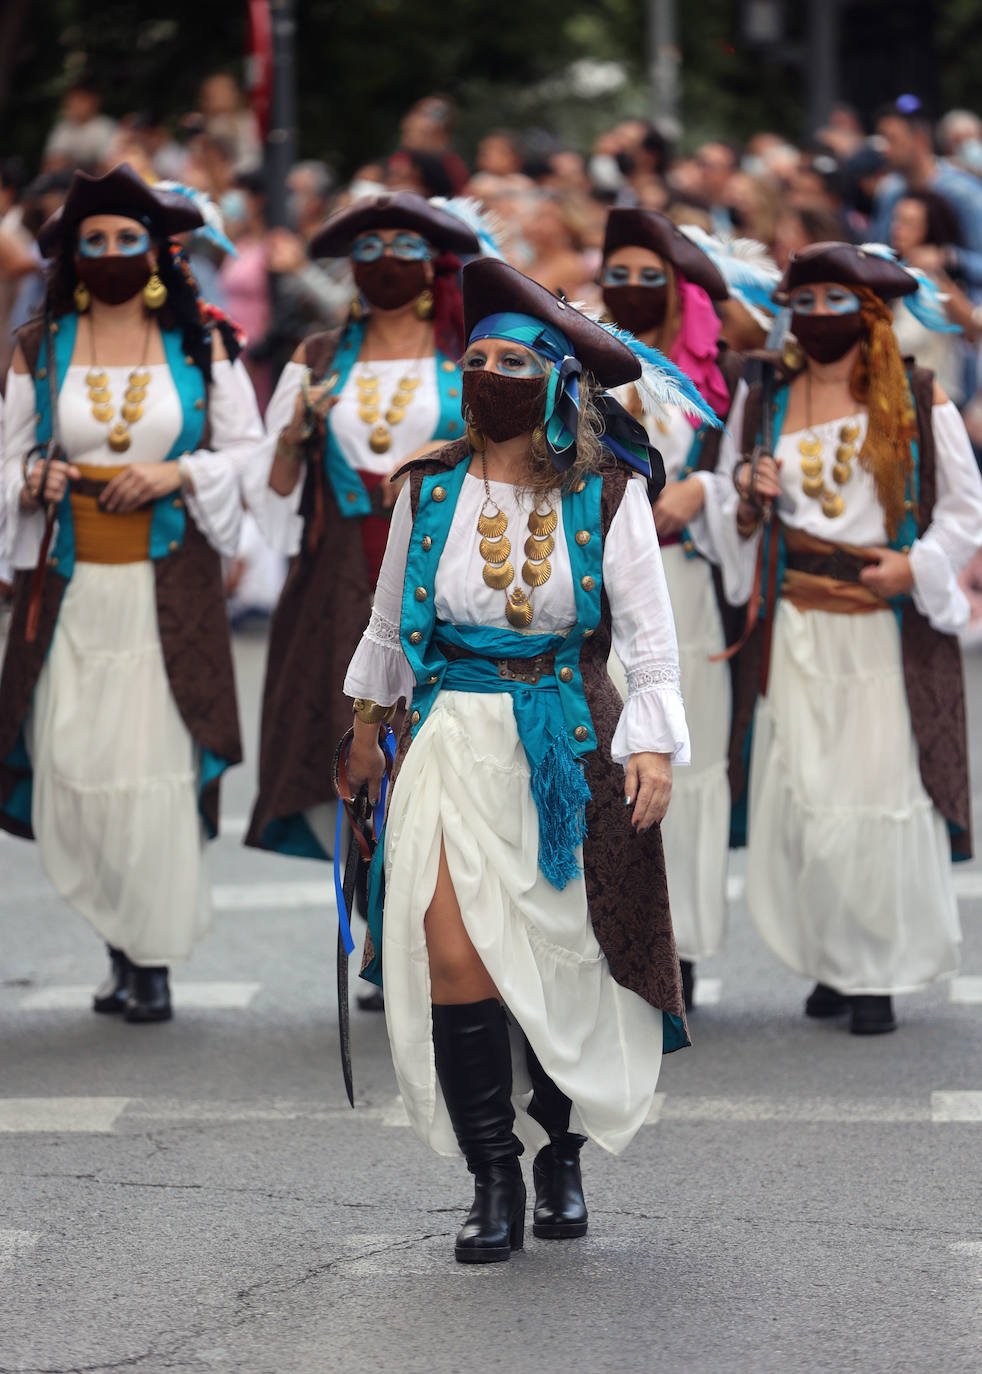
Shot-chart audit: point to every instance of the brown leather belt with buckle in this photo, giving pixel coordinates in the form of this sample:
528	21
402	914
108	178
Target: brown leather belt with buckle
526	670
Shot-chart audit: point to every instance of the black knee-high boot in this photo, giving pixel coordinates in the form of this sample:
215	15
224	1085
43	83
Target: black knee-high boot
473	1062
560	1209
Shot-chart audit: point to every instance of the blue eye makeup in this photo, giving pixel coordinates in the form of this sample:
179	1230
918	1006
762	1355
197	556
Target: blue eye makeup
404	247
621	276
128	243
841	301
510	364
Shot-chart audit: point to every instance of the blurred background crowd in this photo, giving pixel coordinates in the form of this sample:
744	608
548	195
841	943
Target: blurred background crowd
904	172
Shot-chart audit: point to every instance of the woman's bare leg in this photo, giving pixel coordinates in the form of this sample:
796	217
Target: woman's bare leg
457	974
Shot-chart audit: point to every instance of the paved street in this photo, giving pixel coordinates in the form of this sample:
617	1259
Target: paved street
200	1197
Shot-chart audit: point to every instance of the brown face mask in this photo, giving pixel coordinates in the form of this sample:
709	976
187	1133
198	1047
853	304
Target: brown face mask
826	338
116	279
503	407
389	284
637	308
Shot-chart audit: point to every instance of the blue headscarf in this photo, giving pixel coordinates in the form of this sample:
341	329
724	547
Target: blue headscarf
622	435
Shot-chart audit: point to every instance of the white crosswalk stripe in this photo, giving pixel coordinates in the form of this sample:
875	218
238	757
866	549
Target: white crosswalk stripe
211	996
58	1115
272	896
956	1107
965	990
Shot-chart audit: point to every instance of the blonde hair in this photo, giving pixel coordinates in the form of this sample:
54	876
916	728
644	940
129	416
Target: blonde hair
591	456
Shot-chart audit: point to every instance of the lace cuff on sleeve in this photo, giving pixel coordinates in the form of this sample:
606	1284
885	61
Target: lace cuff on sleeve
653	719
379	669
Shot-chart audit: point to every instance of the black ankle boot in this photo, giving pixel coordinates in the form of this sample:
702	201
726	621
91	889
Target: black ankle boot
473	1062
872	1016
109	998
560	1208
688	970
149	995
824	1002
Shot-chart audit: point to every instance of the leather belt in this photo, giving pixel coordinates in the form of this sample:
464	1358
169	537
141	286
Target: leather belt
526	670
838	565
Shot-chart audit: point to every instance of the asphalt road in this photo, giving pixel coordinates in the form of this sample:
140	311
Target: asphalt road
199	1196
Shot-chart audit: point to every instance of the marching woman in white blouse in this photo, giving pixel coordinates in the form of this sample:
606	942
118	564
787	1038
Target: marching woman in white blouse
858	770
117	702
525	904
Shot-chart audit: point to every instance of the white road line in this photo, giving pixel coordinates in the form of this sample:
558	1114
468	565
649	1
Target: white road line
657	1107
966	989
949	1107
233	827
14	1245
708	991
734	887
272	896
214	996
395	1113
56	1115
967	885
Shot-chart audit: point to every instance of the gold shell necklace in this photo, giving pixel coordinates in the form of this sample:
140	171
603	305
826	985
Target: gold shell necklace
495	547
813	465
370	402
100	397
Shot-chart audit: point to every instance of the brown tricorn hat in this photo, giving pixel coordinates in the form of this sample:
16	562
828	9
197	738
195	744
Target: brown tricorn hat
493	288
846	265
393	210
627	228
120	192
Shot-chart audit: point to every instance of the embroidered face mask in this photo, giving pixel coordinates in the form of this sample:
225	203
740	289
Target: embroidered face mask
114	279
390	283
826	338
503	407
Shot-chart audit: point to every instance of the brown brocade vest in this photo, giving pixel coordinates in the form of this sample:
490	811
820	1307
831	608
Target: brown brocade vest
325	605
932	661
626	888
194	637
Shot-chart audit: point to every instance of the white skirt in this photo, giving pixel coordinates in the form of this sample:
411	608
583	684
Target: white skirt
115	807
696	828
466	781
848	866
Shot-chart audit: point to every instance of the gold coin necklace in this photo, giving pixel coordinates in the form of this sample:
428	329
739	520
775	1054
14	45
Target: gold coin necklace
495	548
813	466
370	404
100	397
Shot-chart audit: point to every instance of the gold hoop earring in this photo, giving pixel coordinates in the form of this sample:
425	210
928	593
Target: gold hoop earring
154	293
538	444
792	355
356	311
477	439
424	304
82	297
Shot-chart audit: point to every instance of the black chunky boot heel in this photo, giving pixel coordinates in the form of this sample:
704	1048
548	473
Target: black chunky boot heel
109	998
473	1063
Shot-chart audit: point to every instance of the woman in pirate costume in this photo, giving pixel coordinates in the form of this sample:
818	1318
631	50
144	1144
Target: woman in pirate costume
851	677
390	381
117	702
515	875
657	283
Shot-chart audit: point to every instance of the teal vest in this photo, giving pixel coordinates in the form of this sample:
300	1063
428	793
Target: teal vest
584	540
348	488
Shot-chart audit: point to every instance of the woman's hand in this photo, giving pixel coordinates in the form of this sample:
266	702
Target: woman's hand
677	504
139	485
889	576
365	767
309	410
59	476
648	784
764	485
